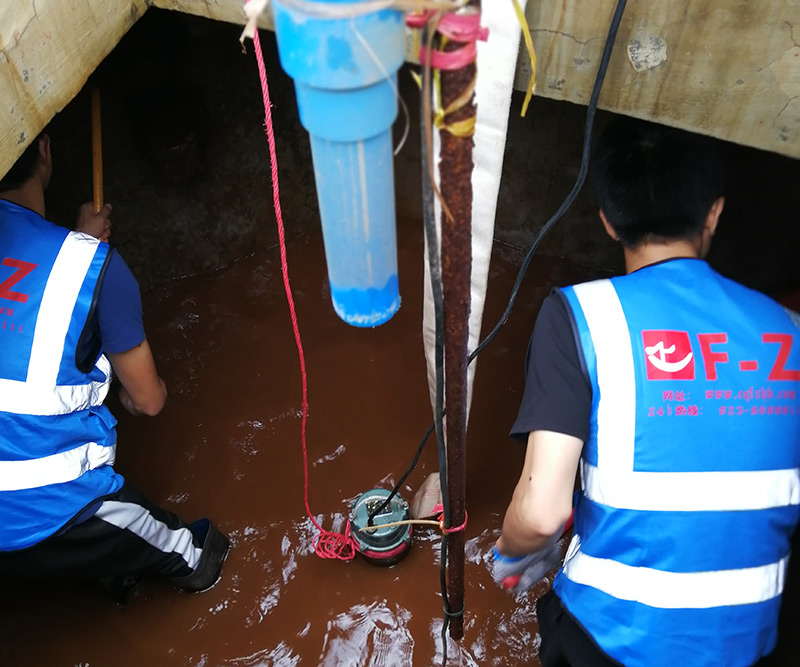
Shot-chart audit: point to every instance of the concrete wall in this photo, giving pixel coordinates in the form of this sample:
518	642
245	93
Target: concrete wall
728	69
185	153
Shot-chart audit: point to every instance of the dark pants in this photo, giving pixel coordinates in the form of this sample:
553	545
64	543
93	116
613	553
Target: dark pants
126	538
565	643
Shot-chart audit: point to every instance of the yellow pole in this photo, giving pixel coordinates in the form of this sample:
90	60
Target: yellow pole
97	151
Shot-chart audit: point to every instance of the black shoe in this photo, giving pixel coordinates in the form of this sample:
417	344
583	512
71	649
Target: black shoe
119	588
215	548
199	528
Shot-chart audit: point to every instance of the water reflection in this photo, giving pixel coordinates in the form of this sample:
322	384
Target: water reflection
280	656
368	635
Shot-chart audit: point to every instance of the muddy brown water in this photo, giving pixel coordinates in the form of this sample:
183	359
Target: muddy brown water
227	445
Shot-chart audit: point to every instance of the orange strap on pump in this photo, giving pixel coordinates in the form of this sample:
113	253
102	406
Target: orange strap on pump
438	510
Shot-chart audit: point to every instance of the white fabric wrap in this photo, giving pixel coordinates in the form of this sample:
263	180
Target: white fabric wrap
497	59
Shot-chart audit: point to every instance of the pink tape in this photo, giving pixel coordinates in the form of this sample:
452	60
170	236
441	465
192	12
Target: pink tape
464	28
450	60
461	27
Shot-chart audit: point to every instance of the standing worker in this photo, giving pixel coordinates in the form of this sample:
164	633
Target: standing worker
71	311
675	391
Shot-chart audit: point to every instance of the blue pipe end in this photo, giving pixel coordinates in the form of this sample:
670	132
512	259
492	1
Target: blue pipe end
346	97
368	307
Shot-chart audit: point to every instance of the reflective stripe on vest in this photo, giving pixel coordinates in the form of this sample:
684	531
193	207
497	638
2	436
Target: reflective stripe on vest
675	590
39	394
691	468
25	398
693	491
54	469
58	302
615	483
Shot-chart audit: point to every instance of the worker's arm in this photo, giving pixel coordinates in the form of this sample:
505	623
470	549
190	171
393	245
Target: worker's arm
143	392
542	500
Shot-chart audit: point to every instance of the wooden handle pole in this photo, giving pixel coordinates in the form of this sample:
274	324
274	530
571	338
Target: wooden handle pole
97	151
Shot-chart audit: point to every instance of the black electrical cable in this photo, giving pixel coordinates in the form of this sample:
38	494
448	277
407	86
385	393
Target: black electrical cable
570	198
434	263
435	272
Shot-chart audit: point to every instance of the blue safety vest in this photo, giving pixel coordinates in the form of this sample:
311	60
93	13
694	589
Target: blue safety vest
57	439
690	475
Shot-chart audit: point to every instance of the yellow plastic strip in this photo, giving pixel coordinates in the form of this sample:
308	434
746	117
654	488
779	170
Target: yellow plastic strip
526	33
461	128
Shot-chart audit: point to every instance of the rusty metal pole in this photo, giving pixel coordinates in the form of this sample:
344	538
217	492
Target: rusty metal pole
455	169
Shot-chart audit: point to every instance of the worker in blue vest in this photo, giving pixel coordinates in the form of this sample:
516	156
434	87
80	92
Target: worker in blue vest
70	312
673	392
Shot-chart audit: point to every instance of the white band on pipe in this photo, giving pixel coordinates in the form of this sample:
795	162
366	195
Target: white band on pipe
497	57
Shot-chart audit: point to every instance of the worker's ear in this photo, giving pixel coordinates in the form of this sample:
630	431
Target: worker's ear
45	160
44	149
609	229
710	226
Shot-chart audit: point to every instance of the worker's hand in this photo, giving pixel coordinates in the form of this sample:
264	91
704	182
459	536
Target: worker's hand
521	572
94	224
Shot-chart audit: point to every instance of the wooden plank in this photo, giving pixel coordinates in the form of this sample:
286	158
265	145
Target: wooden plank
728	69
47	52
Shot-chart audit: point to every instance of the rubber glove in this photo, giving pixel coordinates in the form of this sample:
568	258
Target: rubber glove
521	572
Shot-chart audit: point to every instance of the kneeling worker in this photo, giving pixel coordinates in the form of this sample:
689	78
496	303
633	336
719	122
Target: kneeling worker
676	392
71	311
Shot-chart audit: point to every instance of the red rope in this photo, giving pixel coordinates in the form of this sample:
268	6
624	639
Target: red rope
326	544
456	529
438	512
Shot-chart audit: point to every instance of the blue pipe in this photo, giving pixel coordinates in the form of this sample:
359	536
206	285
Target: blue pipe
348	105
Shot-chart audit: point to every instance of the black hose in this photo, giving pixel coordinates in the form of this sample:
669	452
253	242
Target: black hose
570	198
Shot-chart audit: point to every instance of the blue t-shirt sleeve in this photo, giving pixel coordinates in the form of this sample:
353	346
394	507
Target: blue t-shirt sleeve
119	308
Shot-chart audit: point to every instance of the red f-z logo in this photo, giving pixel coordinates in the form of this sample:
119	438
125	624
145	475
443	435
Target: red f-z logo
669	355
22	270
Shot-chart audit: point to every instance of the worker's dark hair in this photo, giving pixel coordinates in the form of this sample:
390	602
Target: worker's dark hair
23	168
655	183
